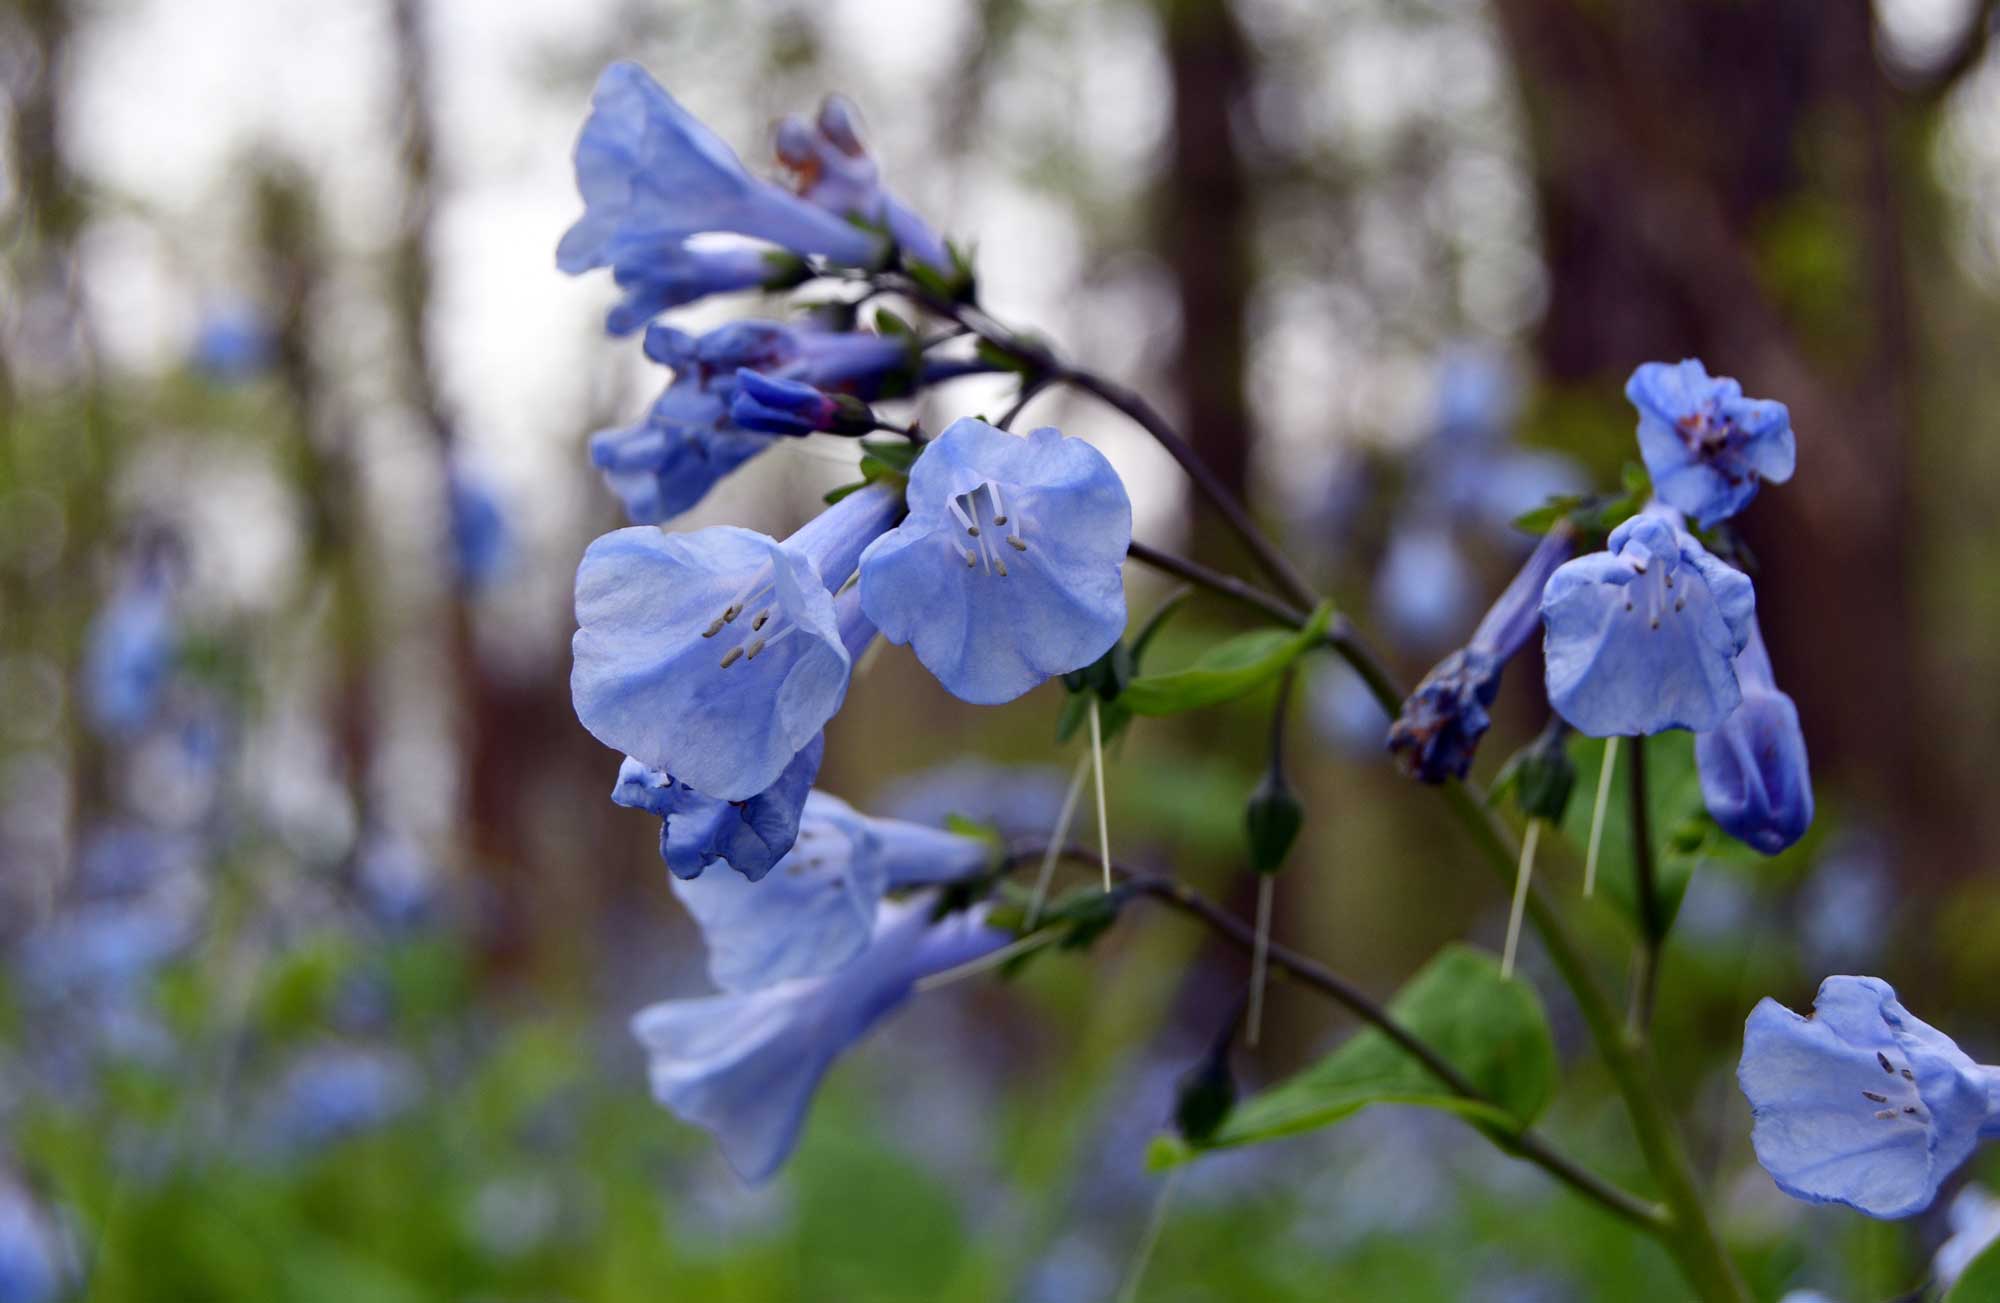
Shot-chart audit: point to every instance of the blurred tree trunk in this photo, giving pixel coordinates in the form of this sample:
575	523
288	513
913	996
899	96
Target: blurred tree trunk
1203	217
1731	181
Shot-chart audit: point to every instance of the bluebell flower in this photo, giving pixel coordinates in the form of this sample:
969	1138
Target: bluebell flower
334	1092
1644	635
698	830
1754	776
35	1263
131	647
651	176
1443	720
773	405
102	949
1706	446
833	169
1974	1218
1862	1103
232	344
1423	588
1343	711
1008	570
658	275
815	911
688	441
1477	396
745	1066
482	543
718	655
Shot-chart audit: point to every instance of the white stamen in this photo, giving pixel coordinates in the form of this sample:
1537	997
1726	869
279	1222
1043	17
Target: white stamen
999	512
1521	879
1097	764
1155	1226
1597	814
1260	954
968	523
1016	542
973	967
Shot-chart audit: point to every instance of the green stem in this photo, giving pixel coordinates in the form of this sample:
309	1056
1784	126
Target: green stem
1652	918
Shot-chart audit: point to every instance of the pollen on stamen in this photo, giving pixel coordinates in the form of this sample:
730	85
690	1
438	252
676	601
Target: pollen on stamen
730	612
733	655
1885	1115
972	531
1018	544
755	647
713	629
999	567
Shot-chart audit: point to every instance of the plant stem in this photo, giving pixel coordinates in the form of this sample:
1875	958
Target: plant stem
1652	915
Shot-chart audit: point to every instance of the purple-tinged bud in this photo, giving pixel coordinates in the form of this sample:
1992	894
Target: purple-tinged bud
770	405
1754	776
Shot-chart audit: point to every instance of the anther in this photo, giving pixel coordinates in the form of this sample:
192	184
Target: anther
713	629
972	531
1883	1059
999	567
1656	622
1879	1099
730	612
763	617
1680	603
755	647
1885	1115
733	655
1019	544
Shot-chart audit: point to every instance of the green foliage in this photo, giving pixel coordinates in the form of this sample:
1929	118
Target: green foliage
1492	1029
882	461
1593	514
1226	671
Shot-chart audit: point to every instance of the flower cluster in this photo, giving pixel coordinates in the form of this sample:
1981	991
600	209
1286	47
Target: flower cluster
715	659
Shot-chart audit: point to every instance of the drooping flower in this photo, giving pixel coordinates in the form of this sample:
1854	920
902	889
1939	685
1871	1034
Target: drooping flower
1706	446
1644	635
1863	1103
833	169
773	405
131	647
688	442
815	911
1443	720
745	1066
718	655
1754	776
697	830
662	275
1423	587
651	176
1008	570
1974	1217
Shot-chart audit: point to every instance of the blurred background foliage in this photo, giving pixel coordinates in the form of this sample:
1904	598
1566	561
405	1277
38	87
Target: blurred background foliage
317	960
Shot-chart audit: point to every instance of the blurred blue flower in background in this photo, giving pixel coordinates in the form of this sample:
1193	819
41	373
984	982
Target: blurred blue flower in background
651	175
717	656
99	950
1009	568
1862	1103
696	830
745	1066
1643	636
670	274
1343	711
131	646
1423	588
1754	776
832	168
482	541
815	910
232	343
1847	908
398	882
1974	1218
1441	723
1014	800
36	1264
1706	446
333	1092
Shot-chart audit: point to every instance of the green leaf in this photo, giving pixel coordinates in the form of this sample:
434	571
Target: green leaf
1981	1281
1226	671
1492	1029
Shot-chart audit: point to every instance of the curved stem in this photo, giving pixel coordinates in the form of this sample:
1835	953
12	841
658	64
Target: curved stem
1525	1143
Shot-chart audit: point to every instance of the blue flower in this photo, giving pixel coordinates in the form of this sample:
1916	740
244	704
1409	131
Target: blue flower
1754	777
698	830
1423	587
651	176
688	442
1644	635
482	544
815	911
1443	720
658	275
1705	444
718	655
1014	800
232	344
1008	570
833	169
333	1092
131	647
1477	397
1862	1103
771	405
35	1263
745	1065
1974	1217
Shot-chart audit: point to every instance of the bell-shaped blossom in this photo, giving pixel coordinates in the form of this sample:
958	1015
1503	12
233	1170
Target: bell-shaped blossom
718	655
774	405
697	830
1862	1103
815	910
833	169
1443	720
659	275
1754	777
651	176
1008	569
130	649
1644	635
745	1066
1706	446
688	442
1423	588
